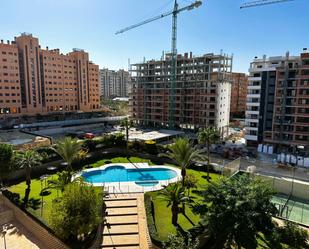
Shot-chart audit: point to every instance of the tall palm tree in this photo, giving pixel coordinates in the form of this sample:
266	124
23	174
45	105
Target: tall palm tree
183	153
208	136
127	124
27	160
174	195
69	150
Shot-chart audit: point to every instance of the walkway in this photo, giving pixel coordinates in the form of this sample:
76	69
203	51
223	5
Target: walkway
126	223
16	235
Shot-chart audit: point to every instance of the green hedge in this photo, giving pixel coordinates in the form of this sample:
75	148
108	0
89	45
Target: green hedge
150	221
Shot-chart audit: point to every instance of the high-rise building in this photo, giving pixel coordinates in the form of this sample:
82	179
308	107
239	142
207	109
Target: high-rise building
114	83
41	81
278	102
200	98
239	94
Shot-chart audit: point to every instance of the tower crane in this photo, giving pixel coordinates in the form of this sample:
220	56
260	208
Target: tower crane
174	12
262	2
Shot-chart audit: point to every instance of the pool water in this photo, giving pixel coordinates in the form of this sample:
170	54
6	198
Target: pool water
121	174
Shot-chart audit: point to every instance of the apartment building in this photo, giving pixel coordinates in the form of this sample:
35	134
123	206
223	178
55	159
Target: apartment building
200	96
114	83
278	102
41	81
239	94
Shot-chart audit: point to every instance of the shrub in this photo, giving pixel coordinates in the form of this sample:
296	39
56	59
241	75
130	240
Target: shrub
151	147
89	145
77	214
151	222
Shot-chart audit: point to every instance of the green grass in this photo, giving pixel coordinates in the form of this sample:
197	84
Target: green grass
37	198
163	215
44	213
121	160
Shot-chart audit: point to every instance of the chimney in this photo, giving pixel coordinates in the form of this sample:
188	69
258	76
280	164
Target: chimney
1	41
190	55
8	42
47	48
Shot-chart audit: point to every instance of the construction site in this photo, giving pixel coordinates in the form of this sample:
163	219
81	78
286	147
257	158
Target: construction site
199	96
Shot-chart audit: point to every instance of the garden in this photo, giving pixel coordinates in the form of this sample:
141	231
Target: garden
203	210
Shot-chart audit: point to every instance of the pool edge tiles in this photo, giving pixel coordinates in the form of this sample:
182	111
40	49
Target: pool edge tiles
132	186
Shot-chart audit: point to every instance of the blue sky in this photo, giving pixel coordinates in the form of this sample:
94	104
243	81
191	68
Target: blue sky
216	25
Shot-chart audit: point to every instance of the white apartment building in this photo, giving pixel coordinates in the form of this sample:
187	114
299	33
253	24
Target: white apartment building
114	83
261	97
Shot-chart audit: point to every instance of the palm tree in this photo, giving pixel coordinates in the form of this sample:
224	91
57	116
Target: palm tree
59	184
127	124
183	153
63	179
209	136
174	195
27	160
69	150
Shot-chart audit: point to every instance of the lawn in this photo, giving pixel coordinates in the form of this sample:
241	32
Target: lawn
163	214
121	160
37	185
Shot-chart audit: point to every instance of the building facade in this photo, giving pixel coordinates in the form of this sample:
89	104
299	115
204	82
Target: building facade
41	81
200	97
278	102
114	83
239	94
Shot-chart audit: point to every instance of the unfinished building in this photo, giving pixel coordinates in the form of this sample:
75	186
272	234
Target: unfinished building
199	97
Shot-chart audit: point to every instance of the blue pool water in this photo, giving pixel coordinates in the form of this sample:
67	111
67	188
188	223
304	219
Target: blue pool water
121	174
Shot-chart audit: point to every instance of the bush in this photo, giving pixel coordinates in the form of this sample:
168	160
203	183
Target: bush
89	144
48	154
151	222
77	214
151	147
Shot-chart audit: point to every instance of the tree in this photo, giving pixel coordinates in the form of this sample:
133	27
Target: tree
179	242
127	124
174	195
63	179
27	160
237	212
293	236
190	182
6	156
183	153
69	149
77	213
208	136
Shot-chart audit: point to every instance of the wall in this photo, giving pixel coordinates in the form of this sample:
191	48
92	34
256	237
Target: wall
48	239
287	185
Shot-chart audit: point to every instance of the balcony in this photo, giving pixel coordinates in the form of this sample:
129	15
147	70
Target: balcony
251	137
251	95
248	112
251	87
254	78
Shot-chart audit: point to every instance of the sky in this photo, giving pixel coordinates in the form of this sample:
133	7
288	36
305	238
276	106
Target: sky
216	25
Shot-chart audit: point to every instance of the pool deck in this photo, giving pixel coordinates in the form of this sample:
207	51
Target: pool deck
132	187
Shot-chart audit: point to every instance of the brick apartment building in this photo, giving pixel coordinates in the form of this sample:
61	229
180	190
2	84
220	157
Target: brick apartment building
239	94
42	81
278	103
201	94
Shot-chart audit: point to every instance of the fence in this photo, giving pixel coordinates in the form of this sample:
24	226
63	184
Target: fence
231	168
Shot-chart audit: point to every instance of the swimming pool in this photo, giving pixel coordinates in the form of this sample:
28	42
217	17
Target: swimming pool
117	173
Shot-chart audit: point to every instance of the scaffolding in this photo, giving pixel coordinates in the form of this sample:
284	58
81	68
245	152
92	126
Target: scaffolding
159	99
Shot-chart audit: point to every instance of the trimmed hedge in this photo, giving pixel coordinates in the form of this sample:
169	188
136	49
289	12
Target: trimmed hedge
150	221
